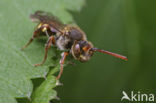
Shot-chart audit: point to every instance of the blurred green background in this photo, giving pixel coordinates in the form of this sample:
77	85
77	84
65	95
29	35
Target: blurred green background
121	26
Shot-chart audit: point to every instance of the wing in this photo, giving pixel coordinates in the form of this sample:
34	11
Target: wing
48	18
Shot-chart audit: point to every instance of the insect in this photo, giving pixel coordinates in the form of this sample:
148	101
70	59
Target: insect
70	39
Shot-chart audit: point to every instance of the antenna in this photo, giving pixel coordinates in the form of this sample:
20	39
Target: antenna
110	53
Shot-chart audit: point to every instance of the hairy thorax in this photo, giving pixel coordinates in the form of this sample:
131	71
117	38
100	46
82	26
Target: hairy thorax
62	42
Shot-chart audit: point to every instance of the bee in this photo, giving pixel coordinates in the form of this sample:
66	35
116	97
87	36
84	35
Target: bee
70	39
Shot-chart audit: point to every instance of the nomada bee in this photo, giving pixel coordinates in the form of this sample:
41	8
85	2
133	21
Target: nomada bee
70	39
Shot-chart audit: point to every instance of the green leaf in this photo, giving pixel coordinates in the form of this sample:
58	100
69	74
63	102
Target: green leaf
16	66
44	93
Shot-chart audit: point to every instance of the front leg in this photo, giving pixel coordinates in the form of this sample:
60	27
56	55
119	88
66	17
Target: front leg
64	55
50	41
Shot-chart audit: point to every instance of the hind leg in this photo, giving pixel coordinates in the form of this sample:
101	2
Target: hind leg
35	35
39	28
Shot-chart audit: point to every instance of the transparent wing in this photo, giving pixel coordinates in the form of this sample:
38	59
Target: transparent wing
48	18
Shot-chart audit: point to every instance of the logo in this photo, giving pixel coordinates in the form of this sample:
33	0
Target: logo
138	96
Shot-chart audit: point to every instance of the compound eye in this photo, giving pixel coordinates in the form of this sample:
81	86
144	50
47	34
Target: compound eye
77	49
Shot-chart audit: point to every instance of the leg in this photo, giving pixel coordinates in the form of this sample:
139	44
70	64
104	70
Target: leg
49	42
64	55
39	28
30	41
